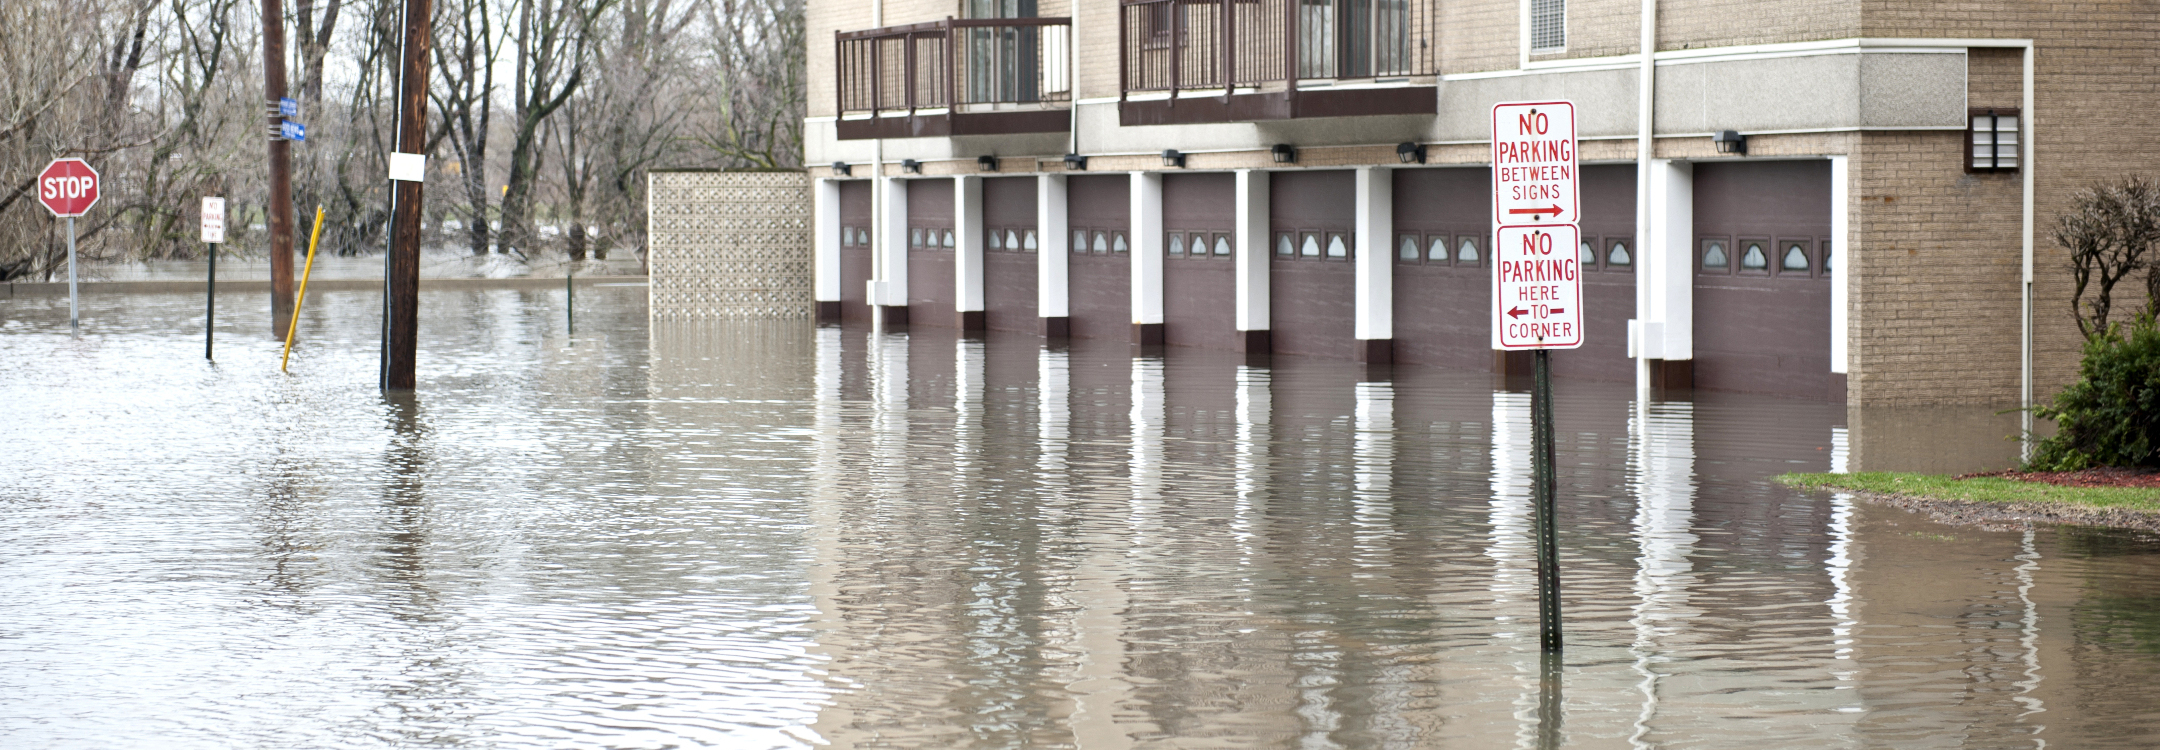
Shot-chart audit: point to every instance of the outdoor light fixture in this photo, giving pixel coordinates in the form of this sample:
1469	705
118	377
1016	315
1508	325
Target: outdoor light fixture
842	168
911	166
1171	158
1284	153
988	162
1730	142
1410	153
1076	162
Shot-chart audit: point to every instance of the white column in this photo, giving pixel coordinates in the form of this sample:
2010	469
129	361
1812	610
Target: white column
890	285
1375	266
1052	295
968	255
1665	326
1252	251
1840	260
1147	248
825	241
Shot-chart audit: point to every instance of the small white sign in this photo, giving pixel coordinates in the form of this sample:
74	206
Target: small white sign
1537	287
1534	167
408	167
213	220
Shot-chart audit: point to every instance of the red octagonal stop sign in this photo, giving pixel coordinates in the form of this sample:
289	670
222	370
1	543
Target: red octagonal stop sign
68	187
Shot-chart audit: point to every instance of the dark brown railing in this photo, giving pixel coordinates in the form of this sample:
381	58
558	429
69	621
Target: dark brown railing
1223	45
983	64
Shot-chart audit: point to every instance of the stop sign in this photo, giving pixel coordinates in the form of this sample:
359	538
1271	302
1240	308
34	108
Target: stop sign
68	187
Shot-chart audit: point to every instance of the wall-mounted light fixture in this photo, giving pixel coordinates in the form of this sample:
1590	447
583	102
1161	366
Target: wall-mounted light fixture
1171	158
841	168
988	162
1410	153
1284	153
1075	163
911	166
1730	142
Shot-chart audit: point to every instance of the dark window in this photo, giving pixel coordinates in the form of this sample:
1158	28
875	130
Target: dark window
1793	260
1716	255
1436	250
1617	256
1991	140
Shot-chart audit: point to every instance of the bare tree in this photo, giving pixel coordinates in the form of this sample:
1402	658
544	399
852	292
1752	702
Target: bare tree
2110	231
467	44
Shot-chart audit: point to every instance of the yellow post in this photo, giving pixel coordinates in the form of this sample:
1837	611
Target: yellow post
301	298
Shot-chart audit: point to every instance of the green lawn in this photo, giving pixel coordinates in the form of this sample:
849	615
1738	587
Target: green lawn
1979	489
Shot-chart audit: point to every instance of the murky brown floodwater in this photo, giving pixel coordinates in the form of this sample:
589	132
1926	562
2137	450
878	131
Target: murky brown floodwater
760	536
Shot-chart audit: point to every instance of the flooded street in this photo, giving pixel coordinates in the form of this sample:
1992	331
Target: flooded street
772	535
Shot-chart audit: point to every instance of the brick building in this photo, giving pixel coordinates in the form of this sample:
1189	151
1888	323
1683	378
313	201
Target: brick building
1308	177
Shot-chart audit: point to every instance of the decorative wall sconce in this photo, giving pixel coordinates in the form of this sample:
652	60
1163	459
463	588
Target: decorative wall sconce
1410	153
1730	142
1171	158
1076	162
1284	153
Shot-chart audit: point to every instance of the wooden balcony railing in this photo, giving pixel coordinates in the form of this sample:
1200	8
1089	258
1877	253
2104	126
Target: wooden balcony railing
1238	60
959	76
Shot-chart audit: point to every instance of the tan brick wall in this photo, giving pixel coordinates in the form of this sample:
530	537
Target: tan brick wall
1480	35
1688	24
1601	28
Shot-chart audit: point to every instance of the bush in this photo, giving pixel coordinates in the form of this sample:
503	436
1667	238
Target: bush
2111	416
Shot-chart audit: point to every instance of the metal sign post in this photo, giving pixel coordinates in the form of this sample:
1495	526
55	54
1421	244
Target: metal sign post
68	188
213	234
1537	293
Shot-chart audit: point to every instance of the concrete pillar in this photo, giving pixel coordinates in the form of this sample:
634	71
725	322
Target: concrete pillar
1147	258
1252	257
1663	332
825	249
888	284
1053	256
1375	326
968	253
1840	243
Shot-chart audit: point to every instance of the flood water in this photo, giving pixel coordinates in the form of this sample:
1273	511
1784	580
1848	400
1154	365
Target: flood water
771	535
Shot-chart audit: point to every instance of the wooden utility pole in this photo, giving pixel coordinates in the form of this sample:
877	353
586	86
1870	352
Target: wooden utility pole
401	269
281	210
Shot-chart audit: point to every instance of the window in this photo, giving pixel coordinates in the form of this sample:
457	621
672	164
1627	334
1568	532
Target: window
1117	243
1991	143
914	237
1408	251
1079	244
1338	246
1466	252
948	239
1177	244
847	236
862	237
1825	257
1283	245
1222	245
1754	257
1794	260
1027	241
1548	25
1436	252
1012	240
1588	254
996	241
1714	257
1310	248
1617	256
1102	242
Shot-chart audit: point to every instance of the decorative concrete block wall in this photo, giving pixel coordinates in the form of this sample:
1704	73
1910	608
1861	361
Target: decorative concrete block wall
729	245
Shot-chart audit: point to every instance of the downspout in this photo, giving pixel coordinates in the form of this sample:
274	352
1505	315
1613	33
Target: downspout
1644	140
2025	302
879	248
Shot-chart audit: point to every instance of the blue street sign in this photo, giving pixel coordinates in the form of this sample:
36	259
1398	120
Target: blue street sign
287	107
293	131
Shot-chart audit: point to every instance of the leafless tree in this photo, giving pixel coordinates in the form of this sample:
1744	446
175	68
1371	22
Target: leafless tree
2110	231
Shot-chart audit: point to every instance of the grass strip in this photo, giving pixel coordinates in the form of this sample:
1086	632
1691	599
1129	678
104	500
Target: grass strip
1980	489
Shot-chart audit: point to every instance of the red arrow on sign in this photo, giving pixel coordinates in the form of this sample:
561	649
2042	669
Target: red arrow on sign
1517	312
1559	310
1554	210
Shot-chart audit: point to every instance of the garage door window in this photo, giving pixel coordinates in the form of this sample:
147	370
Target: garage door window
1436	249
1222	245
1177	244
1338	247
1794	260
1407	250
1587	254
1715	258
1617	257
1755	256
1466	251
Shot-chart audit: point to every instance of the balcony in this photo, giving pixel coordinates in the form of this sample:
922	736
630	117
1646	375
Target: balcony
970	76
1206	61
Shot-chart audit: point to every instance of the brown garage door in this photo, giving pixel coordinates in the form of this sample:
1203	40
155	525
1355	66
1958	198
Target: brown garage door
1312	283
1099	209
1199	279
1608	258
1442	288
854	250
1762	285
930	253
1009	245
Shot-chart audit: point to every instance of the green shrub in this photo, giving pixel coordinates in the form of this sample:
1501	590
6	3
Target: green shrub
2111	416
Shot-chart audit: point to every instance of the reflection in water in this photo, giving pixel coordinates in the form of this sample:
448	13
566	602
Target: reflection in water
759	535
